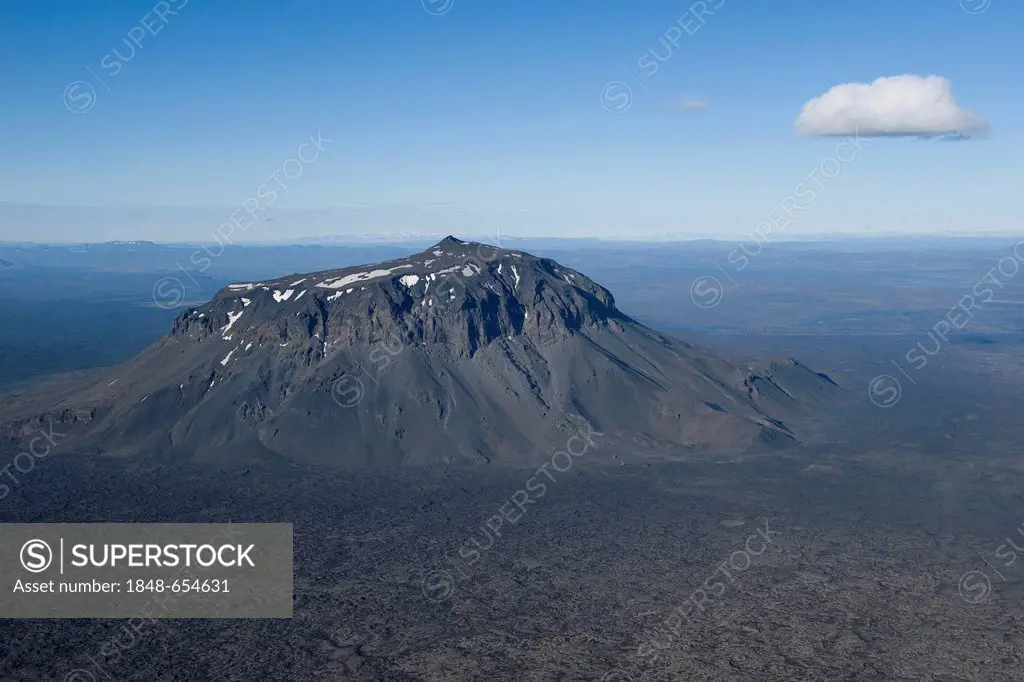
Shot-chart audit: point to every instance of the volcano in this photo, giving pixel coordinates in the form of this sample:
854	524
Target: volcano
461	353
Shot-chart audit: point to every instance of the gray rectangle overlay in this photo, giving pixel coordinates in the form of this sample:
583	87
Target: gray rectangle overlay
146	570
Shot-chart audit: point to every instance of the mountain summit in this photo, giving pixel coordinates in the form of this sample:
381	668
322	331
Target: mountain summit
461	353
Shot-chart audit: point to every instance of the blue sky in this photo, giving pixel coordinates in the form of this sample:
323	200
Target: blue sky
469	116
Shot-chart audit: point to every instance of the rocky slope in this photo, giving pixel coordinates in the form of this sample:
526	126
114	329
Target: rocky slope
461	353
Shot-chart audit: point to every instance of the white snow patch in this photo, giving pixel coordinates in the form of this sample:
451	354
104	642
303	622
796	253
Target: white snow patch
470	269
567	279
279	297
249	346
438	252
431	303
295	284
112	382
241	285
337	295
340	282
429	261
227	357
202	315
246	302
301	293
499	268
515	273
409	280
232	318
283	345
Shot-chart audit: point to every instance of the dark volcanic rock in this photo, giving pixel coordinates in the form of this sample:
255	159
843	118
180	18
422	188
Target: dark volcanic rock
463	352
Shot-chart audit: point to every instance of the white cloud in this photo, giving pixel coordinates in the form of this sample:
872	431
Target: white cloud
896	105
688	105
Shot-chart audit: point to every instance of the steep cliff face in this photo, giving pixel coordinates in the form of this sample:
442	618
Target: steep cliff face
459	294
463	352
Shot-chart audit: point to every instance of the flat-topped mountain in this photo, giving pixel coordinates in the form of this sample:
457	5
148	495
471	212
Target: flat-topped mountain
461	353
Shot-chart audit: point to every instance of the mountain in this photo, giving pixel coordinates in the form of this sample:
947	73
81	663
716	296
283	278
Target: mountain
461	353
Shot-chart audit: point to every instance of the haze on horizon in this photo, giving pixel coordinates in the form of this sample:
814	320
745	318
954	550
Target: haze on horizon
160	121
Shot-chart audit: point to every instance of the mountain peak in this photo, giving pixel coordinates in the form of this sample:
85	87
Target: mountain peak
449	241
463	352
463	294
